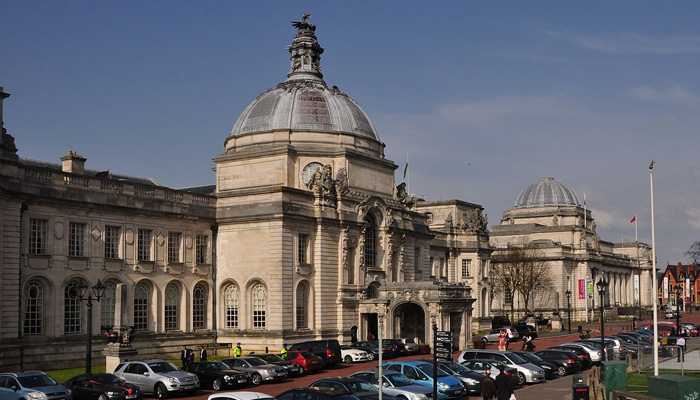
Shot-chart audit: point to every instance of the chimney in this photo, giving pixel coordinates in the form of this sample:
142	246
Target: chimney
73	163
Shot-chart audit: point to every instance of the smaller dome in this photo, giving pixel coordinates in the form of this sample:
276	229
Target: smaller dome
546	192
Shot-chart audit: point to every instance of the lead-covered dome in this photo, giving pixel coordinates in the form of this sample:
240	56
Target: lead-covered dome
546	192
303	102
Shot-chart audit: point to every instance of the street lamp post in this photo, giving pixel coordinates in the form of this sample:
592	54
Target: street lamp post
602	287
679	293
568	307
98	291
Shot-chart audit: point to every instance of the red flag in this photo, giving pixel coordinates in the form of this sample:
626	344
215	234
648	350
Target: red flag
633	219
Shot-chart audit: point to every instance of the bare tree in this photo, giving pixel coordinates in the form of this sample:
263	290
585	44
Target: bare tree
693	253
523	269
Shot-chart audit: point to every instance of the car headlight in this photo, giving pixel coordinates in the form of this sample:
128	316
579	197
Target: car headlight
546	367
111	393
228	377
420	396
68	392
442	385
174	380
37	395
471	381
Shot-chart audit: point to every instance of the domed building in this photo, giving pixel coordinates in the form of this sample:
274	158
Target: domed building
548	216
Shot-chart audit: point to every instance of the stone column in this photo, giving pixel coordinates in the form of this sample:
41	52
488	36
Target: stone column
116	353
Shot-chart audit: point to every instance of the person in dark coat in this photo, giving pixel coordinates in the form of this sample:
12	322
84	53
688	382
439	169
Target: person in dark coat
184	357
503	387
190	356
202	353
488	386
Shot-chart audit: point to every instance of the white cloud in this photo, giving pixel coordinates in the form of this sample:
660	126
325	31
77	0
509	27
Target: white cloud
634	43
503	108
674	94
694	217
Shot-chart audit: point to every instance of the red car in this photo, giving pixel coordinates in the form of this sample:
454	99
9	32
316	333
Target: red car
308	361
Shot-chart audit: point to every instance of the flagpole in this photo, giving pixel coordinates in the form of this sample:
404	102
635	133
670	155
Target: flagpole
408	177
584	212
653	273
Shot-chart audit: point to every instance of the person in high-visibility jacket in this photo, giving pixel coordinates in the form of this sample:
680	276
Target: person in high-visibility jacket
283	352
238	351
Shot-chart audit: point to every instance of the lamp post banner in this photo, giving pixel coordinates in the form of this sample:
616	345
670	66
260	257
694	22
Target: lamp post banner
665	287
636	288
687	288
582	289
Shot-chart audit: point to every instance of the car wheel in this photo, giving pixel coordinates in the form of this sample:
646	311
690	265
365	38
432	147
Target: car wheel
521	379
217	384
561	371
256	379
161	391
485	339
348	359
102	397
371	356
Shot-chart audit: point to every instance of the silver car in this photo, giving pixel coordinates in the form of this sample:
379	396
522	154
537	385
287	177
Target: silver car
259	369
159	377
395	384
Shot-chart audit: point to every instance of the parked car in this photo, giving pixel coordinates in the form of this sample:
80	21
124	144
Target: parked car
397	345
524	329
217	375
240	396
662	329
691	329
411	345
499	321
582	354
671	314
469	378
527	373
102	387
316	393
276	359
308	361
594	352
328	350
32	385
481	365
371	347
494	335
351	354
421	373
395	384
260	371
566	361
359	387
550	370
159	377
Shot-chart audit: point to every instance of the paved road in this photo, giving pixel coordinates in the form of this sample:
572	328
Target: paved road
558	388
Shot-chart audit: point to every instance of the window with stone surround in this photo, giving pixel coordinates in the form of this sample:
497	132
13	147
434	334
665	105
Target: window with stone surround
302	306
76	239
144	244
174	247
201	247
466	268
142	293
38	235
259	296
112	240
72	309
232	307
172	307
34	308
199	307
303	248
370	242
108	305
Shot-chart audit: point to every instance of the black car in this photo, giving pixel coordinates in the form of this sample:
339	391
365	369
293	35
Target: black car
471	380
102	387
359	387
524	329
397	345
328	350
373	347
566	361
550	370
500	321
218	375
275	359
586	361
317	393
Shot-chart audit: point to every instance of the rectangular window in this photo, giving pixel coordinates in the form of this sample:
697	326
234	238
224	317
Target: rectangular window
174	246
76	240
303	249
418	265
141	314
433	267
507	298
144	245
37	235
201	246
466	268
112	237
443	268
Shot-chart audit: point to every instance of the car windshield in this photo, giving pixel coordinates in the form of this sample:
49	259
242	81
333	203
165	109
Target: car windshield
254	361
531	357
361	386
398	380
428	370
458	367
217	366
107	379
497	363
162	366
410	341
272	358
36	381
516	358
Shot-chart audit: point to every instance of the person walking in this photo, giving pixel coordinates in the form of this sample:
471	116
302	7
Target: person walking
488	386
184	357
681	348
190	357
238	351
283	352
504	390
502	341
202	353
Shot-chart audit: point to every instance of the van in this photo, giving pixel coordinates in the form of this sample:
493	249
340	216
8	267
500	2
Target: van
328	350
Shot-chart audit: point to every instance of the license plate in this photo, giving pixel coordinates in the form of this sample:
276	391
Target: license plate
458	392
281	374
242	380
131	396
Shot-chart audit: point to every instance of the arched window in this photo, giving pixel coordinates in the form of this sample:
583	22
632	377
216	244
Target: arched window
199	309
72	309
34	308
232	307
259	295
370	242
172	307
302	306
142	292
108	305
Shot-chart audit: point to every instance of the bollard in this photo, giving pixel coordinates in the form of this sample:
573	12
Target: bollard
580	389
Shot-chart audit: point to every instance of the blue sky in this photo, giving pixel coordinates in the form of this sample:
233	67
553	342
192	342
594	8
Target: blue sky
487	97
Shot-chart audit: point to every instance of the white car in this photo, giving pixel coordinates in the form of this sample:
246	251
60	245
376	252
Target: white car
240	396
351	355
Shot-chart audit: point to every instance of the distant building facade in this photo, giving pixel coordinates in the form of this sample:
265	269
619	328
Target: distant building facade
678	286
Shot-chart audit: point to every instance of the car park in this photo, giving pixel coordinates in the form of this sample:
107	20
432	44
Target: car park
481	365
159	377
395	384
102	387
292	369
567	362
240	396
550	370
582	354
316	393
32	385
421	373
218	375
308	361
328	350
359	387
351	354
258	369
527	373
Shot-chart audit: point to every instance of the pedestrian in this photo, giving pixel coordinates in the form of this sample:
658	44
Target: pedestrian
503	388
370	336
502	341
238	351
525	338
190	357
184	357
283	352
202	353
681	348
488	386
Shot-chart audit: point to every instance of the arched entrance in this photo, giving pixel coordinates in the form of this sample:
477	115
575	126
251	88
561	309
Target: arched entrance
409	322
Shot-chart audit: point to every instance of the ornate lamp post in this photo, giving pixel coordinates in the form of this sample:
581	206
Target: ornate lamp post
98	291
568	307
602	287
679	293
